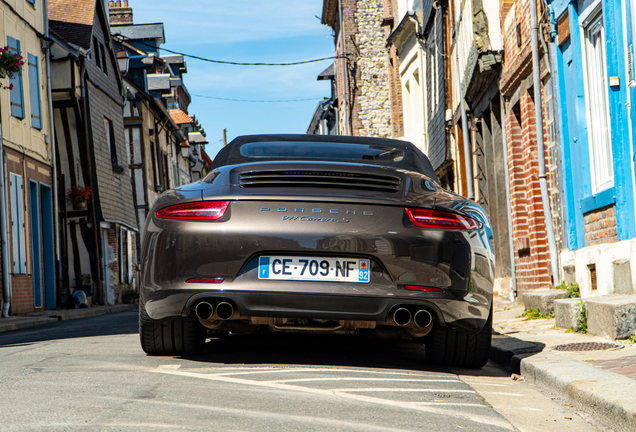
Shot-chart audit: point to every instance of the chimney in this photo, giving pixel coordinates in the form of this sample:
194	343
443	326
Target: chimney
118	14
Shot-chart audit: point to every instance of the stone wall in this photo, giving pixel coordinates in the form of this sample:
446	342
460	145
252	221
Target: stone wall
373	82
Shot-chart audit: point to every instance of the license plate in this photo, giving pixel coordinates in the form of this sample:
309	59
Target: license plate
314	269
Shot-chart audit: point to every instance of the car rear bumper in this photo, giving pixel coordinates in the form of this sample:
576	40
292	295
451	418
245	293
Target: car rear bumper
469	313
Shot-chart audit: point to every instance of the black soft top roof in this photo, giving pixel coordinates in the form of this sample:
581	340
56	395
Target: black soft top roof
414	159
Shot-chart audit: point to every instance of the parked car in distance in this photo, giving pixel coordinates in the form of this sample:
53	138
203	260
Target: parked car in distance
330	234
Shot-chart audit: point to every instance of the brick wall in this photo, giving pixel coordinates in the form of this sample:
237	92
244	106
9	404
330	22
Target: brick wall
600	226
393	69
22	300
532	257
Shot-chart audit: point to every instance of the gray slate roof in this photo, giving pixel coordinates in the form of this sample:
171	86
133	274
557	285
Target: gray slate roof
141	31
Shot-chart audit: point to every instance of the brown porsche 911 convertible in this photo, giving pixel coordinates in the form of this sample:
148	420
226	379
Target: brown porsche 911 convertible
307	233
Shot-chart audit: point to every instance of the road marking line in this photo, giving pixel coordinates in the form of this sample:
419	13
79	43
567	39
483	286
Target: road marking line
440	409
263	371
361	379
379	389
501	393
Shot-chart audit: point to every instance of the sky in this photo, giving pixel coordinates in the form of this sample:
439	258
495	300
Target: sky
268	31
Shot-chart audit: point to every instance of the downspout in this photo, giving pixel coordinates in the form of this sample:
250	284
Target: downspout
344	70
513	268
543	183
6	275
55	185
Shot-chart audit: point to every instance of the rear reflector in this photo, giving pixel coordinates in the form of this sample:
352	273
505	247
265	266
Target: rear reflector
438	219
200	210
205	280
422	288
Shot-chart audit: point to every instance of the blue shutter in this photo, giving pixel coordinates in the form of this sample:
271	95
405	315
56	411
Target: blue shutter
17	224
34	92
17	95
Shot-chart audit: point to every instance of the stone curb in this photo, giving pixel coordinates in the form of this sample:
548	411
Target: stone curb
15	323
609	397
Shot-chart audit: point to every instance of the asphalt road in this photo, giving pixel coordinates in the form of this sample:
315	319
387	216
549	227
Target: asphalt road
90	374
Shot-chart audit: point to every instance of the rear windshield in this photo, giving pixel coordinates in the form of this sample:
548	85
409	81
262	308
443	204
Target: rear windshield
321	151
391	153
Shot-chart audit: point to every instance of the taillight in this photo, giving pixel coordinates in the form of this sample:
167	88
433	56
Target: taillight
200	210
439	219
422	288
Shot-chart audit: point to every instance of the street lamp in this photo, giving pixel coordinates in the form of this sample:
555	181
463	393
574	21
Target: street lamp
123	61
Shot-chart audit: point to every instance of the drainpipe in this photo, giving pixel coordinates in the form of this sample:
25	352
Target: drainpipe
344	71
513	268
467	154
543	183
6	275
54	186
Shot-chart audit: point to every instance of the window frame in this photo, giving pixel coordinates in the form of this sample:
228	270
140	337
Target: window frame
597	110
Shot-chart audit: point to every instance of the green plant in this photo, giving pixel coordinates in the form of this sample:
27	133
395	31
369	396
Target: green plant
583	318
570	330
533	313
632	338
574	291
131	293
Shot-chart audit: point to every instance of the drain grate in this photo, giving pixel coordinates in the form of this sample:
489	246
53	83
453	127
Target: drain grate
586	346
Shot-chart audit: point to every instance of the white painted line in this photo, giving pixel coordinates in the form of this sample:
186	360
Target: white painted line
441	410
403	390
501	393
364	379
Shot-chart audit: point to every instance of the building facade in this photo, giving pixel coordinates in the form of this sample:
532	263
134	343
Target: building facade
88	99
28	171
594	56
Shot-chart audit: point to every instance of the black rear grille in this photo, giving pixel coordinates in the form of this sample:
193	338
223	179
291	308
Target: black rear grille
320	179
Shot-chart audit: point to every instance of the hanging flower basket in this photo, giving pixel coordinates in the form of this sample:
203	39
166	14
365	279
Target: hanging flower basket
79	196
118	169
10	64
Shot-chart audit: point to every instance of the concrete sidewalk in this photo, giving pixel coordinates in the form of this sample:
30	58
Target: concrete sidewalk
600	380
43	317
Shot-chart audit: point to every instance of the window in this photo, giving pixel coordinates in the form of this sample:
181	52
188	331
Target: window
110	140
98	60
597	103
18	238
16	93
104	64
34	92
32	2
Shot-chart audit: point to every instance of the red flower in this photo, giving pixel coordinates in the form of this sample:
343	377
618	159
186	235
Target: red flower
10	86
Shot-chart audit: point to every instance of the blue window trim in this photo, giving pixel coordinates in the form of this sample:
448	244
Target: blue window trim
602	199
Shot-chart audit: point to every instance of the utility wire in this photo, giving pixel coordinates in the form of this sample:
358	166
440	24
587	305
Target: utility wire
229	62
256	101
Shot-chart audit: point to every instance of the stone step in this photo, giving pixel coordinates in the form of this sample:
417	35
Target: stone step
567	313
543	299
612	316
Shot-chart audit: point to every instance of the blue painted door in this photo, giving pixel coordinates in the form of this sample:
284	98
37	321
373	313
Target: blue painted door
35	243
48	245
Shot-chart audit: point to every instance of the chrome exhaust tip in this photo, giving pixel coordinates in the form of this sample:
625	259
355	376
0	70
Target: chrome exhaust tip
224	310
402	316
204	310
422	318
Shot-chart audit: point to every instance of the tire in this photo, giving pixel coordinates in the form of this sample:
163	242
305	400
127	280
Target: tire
178	336
451	347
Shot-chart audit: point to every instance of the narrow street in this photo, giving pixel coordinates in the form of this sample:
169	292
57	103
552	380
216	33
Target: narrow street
90	374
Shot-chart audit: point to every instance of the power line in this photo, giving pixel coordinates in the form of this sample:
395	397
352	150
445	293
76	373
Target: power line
256	101
230	62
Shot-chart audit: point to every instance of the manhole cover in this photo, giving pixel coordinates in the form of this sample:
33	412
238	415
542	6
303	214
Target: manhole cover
586	346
